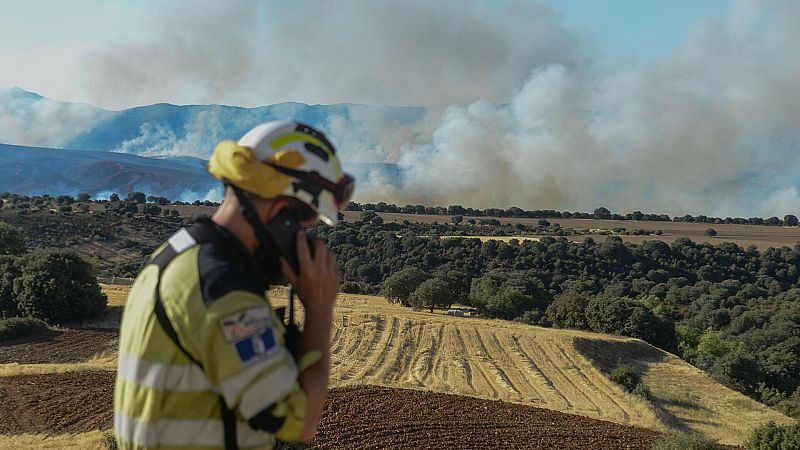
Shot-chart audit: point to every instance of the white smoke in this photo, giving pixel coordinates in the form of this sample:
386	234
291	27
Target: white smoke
27	119
710	129
251	53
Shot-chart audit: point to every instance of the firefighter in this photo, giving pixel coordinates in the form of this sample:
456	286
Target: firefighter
204	359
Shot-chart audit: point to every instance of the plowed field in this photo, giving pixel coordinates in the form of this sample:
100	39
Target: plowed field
60	346
354	418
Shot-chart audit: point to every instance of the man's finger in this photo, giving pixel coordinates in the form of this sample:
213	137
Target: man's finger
303	254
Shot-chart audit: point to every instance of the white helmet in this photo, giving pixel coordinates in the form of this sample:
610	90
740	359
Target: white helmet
286	158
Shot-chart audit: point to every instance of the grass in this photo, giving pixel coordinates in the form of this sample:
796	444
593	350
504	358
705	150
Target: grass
20	327
685	398
103	362
685	441
79	441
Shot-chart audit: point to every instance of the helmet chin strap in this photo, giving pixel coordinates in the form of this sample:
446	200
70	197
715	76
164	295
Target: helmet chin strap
265	242
250	215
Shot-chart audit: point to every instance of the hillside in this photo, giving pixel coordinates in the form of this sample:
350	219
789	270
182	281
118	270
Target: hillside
377	343
33	170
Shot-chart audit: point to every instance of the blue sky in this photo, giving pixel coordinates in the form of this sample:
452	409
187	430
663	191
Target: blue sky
643	30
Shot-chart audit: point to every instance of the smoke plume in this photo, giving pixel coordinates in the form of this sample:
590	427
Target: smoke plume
711	128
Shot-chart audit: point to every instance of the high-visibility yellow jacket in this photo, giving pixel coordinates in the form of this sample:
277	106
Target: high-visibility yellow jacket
233	363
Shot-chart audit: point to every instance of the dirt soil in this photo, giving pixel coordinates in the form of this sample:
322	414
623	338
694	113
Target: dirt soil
59	346
354	418
383	418
56	403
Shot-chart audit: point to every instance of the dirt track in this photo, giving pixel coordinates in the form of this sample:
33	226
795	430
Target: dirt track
354	418
59	346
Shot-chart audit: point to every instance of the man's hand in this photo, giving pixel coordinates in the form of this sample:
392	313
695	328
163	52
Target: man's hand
318	280
316	285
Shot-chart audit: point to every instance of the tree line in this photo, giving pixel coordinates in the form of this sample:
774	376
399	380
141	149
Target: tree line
601	213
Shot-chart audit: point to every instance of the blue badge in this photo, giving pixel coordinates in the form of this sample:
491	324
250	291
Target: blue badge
257	347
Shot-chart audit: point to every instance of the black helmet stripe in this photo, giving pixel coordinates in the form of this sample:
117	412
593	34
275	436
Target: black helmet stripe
303	128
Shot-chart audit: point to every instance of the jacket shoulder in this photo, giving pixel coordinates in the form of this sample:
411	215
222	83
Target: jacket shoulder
221	271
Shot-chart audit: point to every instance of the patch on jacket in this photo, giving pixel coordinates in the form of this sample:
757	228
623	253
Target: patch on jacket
252	334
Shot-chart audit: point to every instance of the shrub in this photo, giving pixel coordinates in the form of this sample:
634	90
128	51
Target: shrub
58	286
568	310
109	441
350	287
625	376
20	327
398	286
710	232
9	271
12	241
771	436
684	441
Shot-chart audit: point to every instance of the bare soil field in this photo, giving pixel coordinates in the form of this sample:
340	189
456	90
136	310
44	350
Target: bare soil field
60	346
761	236
354	418
70	402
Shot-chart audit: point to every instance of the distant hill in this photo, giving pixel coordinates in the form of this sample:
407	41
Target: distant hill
33	170
172	130
181	138
36	171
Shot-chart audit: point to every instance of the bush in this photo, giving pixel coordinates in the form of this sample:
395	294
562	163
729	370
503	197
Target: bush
351	287
683	441
9	271
58	286
20	327
398	286
109	441
774	437
568	310
12	242
740	372
625	376
710	232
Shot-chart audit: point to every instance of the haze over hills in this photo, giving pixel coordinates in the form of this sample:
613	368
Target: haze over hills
171	130
37	171
33	170
539	151
159	149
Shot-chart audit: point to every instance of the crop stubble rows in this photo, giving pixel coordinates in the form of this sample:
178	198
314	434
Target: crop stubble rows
467	357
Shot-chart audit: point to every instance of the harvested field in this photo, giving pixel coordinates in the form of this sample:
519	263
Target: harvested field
60	346
354	418
383	344
684	396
